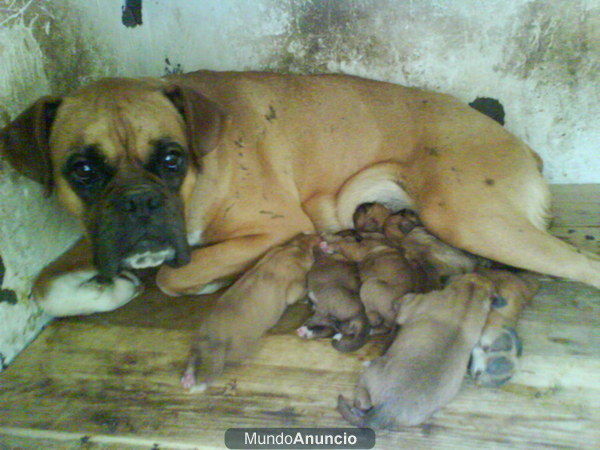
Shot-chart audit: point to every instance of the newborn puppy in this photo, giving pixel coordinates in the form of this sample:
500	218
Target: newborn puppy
333	285
424	367
445	260
385	275
276	281
370	217
405	231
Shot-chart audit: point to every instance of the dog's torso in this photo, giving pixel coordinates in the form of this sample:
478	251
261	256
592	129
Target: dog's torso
293	138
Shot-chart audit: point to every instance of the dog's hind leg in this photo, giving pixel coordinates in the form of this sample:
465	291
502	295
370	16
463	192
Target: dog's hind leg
493	228
494	360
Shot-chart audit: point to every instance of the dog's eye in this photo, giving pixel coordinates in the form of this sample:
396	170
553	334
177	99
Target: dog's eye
83	171
173	160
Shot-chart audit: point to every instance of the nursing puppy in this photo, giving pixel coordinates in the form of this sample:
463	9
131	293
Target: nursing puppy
277	280
405	231
385	275
333	284
424	367
375	217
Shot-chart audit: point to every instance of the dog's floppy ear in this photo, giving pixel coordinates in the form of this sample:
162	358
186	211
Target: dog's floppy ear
204	119
24	141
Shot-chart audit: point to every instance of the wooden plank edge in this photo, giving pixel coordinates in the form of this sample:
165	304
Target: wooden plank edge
82	439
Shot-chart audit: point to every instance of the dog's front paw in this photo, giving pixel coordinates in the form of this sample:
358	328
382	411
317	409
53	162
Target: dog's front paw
494	359
85	292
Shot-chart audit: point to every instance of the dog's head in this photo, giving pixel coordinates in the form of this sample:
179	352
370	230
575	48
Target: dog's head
123	156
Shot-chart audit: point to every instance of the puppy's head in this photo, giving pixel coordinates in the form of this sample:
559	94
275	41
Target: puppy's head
123	156
370	217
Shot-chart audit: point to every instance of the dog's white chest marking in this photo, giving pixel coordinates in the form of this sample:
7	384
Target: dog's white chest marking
149	258
79	293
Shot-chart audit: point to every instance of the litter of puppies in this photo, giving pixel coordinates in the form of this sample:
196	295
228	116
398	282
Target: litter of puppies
447	313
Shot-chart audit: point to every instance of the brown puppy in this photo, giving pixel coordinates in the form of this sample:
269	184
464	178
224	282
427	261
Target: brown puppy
385	275
370	217
375	217
495	357
333	284
405	231
424	367
277	280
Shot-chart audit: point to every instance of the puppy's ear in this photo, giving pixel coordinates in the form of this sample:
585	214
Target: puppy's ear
204	119
25	141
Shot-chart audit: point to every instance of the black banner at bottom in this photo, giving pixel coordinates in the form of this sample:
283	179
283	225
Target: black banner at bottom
299	438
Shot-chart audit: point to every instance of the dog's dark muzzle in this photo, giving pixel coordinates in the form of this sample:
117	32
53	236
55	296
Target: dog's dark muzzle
138	227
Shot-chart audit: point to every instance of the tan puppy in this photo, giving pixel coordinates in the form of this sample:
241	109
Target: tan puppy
333	285
370	217
385	276
495	357
215	168
424	367
405	231
277	280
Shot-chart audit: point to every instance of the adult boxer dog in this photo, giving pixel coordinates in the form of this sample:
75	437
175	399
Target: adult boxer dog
233	163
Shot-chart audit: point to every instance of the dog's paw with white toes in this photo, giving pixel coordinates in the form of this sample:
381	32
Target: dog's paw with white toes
494	359
84	292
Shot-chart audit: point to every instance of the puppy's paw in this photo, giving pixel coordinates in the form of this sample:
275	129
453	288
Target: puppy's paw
85	292
189	382
351	413
494	359
206	363
315	331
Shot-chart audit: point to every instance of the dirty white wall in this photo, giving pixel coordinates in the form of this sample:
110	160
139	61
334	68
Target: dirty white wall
539	58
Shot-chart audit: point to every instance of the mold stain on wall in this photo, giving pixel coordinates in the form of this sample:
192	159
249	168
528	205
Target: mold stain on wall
72	55
323	35
555	44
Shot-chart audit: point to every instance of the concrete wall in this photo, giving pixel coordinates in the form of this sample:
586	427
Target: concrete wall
538	58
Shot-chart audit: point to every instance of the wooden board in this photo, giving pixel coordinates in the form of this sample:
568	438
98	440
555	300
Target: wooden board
112	380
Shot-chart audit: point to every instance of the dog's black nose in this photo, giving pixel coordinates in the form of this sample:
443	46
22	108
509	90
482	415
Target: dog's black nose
141	202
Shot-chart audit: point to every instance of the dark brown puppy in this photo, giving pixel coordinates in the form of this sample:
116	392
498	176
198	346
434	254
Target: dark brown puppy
405	231
424	367
385	275
333	285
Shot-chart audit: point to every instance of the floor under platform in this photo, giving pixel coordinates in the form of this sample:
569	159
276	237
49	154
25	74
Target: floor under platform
112	380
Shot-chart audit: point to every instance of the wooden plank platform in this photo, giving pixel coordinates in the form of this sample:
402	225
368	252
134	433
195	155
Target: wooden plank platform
112	380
